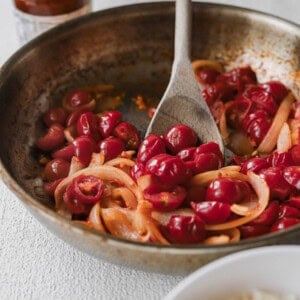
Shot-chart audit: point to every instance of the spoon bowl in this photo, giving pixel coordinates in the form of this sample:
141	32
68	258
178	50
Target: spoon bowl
183	102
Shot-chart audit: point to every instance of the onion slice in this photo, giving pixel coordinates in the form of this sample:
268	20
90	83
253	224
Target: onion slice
269	141
205	178
284	141
120	161
224	236
127	196
209	64
95	218
263	194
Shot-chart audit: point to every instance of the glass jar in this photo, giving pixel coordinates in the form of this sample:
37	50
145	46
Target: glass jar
36	16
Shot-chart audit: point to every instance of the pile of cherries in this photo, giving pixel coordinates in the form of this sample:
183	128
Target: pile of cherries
251	106
165	164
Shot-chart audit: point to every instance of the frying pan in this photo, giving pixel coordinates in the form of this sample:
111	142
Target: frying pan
132	48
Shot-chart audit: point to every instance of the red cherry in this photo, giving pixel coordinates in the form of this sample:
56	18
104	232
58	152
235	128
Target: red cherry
228	190
169	169
249	231
86	189
53	139
108	121
84	148
65	153
258	129
262	99
276	89
254	164
49	187
238	110
288	211
295	153
152	145
294	201
210	147
74	116
284	223
283	159
111	147
129	134
187	154
212	212
207	76
186	229
292	175
238	78
258	114
55	115
138	170
56	169
218	90
87	124
76	99
204	162
166	200
179	137
279	187
268	216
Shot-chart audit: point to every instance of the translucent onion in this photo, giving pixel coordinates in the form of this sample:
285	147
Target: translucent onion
231	235
95	218
75	165
120	161
205	178
127	196
284	141
207	64
281	116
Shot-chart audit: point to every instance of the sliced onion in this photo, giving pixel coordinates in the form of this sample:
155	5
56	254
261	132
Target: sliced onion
223	237
120	161
97	160
70	133
134	225
281	116
126	194
209	64
95	218
243	209
75	166
263	194
128	154
223	123
205	178
284	141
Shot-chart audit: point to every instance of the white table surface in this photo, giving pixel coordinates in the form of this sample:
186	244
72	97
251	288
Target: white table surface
34	264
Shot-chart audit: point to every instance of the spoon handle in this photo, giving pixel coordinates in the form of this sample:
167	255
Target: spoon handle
183	30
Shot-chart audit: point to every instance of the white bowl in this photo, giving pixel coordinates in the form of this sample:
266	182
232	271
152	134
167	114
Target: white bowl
275	269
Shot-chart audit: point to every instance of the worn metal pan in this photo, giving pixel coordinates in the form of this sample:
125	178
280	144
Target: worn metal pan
132	48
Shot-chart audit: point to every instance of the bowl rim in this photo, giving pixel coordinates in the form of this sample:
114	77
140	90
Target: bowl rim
229	259
47	212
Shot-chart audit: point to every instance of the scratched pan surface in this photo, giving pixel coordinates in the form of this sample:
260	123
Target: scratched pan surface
131	48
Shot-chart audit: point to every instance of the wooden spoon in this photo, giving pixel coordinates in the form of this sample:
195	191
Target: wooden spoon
182	101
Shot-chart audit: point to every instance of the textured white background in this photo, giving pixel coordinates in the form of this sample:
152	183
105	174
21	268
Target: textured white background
34	264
